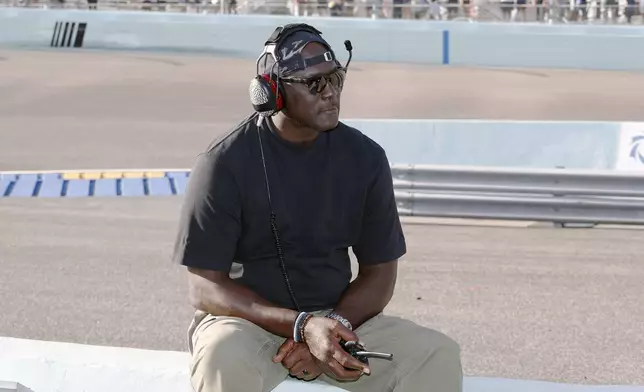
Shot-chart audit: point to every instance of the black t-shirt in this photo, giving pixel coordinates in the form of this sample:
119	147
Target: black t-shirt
333	194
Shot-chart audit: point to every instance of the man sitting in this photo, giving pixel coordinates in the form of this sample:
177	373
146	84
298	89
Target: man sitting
284	195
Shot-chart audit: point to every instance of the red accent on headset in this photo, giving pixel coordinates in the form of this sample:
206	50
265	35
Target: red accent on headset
274	89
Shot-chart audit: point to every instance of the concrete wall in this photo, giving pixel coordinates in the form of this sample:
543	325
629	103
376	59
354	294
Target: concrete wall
534	144
583	47
526	144
457	43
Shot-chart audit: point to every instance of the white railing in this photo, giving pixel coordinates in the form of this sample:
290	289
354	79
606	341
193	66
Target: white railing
557	195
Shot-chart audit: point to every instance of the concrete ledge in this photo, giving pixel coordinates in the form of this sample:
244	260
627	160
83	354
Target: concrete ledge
66	367
10	386
480	384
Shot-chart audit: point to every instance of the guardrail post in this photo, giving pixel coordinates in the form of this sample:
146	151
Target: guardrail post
564	225
558	224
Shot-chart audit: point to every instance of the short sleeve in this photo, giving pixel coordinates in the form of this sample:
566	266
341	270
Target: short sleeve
381	238
210	217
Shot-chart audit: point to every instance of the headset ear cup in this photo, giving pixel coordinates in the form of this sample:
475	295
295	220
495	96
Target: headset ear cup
264	95
261	95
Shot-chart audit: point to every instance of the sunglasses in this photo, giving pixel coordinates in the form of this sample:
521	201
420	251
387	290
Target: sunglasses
317	84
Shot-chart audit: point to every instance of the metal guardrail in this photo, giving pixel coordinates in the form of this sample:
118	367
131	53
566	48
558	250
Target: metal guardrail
559	195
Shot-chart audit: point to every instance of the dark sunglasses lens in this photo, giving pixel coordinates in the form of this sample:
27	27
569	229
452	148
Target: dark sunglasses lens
320	84
336	79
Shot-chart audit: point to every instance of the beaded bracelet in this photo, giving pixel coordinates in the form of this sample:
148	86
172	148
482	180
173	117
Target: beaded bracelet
303	324
297	330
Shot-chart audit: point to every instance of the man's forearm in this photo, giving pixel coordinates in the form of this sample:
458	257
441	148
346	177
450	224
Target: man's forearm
367	295
228	298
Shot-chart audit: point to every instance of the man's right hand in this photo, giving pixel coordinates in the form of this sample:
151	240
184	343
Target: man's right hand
322	335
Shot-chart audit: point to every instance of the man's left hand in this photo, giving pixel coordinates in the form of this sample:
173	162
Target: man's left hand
297	358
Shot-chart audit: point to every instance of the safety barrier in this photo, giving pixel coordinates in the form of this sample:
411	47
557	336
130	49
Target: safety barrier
425	42
561	196
528	144
533	144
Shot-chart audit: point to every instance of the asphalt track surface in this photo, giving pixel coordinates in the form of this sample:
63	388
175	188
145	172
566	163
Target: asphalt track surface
524	302
74	110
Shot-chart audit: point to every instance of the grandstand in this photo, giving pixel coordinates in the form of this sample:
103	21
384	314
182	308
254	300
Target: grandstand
514	11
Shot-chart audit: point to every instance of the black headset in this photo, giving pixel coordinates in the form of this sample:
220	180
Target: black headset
266	92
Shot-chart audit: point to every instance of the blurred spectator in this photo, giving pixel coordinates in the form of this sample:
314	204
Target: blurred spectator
336	8
540	11
506	9
630	10
232	6
402	9
521	9
452	8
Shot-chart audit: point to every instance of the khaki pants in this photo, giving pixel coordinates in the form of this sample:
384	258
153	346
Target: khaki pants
233	355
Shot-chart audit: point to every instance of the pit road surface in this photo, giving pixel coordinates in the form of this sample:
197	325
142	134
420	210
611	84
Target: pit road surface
531	303
126	110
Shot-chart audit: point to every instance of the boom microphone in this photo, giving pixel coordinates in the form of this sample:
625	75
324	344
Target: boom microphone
349	48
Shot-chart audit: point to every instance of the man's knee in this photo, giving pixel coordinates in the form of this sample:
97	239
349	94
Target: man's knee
438	361
438	344
229	351
218	340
